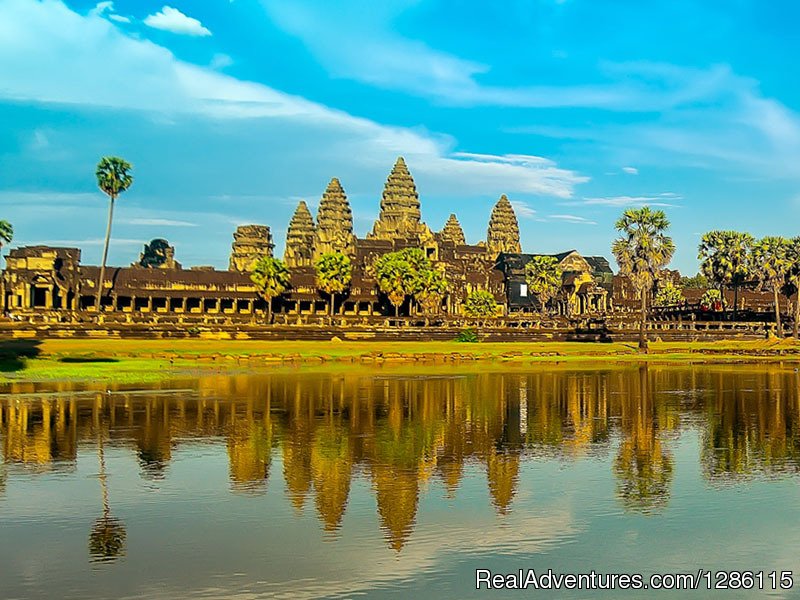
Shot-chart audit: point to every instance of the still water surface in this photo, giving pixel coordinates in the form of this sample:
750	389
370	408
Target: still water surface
384	485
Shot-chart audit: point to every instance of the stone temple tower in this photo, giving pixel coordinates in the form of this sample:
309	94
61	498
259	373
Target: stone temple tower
503	234
400	216
452	232
334	231
300	238
250	242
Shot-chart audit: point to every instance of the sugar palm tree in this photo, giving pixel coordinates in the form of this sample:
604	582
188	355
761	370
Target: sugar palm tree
642	250
113	178
334	273
793	275
6	232
772	266
726	259
271	277
543	276
431	288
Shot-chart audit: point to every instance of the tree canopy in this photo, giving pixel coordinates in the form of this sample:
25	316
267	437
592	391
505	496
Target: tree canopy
543	275
409	272
6	232
271	277
669	295
113	175
480	303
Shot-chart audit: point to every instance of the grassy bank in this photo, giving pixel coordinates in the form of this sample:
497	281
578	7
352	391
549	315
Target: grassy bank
133	360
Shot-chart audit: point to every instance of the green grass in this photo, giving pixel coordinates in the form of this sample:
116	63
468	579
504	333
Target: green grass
141	361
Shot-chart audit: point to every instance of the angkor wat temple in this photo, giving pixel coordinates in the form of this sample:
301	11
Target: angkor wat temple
44	281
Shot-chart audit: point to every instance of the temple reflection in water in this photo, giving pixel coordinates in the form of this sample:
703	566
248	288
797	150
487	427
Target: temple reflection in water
320	432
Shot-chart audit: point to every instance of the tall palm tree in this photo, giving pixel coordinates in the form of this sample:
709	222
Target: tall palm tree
772	265
543	276
642	250
793	275
113	178
271	277
6	233
334	273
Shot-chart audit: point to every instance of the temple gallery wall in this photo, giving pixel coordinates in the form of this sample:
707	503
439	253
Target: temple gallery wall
41	280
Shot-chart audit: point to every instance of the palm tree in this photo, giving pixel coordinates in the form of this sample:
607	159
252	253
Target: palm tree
334	273
271	277
642	250
793	258
393	275
6	232
432	285
772	265
113	177
726	259
543	276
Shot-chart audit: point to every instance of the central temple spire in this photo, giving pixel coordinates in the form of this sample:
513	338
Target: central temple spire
503	234
400	209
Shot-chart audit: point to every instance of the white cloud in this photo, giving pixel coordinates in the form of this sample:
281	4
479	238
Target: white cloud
572	219
173	20
630	170
666	199
158	222
106	9
102	7
523	209
220	61
55	58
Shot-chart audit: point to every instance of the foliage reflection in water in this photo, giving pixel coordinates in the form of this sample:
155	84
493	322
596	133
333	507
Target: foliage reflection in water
394	438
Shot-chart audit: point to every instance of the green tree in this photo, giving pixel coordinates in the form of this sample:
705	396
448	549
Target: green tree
543	275
334	273
113	178
642	250
271	277
793	277
695	282
669	295
6	233
407	272
480	303
431	287
710	297
770	257
726	260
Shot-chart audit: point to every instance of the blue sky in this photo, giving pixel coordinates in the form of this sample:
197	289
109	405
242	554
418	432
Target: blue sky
233	110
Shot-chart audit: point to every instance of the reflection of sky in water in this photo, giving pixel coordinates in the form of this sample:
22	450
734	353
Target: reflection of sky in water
304	486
